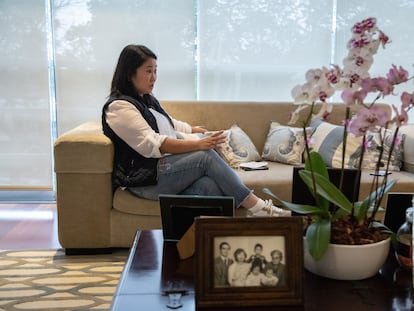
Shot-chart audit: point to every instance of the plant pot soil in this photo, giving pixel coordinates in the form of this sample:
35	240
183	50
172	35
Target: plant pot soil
347	231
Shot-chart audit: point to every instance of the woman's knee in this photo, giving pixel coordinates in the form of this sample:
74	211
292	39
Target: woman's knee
204	186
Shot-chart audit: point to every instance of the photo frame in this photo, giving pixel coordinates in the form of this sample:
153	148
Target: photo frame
277	246
396	205
179	211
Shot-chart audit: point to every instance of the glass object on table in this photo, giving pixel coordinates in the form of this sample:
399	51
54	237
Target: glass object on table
403	250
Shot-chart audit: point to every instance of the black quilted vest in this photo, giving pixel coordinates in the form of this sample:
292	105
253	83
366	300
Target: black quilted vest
130	168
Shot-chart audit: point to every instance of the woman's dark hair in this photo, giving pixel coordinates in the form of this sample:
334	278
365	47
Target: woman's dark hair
276	252
131	58
239	251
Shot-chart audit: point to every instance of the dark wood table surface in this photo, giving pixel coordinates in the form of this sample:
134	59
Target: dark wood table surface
153	268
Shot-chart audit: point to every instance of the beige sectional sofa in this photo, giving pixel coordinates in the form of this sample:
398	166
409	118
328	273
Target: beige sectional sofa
90	216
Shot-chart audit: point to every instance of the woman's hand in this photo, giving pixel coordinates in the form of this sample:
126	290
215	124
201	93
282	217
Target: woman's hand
212	141
198	129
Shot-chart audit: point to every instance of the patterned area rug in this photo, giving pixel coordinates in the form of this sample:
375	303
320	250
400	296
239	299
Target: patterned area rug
50	280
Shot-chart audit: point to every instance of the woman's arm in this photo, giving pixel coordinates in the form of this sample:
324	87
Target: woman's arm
172	145
127	122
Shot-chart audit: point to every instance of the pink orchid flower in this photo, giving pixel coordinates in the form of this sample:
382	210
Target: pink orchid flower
351	97
367	144
397	75
310	141
397	142
368	119
346	124
383	38
377	84
401	117
407	100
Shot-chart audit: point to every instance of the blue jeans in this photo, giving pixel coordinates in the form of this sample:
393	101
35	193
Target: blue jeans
199	173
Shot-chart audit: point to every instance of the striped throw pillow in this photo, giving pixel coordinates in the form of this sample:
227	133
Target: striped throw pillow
328	141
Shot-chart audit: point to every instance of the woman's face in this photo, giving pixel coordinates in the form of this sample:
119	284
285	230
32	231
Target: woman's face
145	77
276	258
240	257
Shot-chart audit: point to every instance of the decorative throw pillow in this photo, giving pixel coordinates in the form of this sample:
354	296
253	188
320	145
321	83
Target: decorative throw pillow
408	153
285	144
372	153
238	147
328	141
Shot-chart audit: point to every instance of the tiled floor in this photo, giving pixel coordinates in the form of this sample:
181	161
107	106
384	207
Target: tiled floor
28	226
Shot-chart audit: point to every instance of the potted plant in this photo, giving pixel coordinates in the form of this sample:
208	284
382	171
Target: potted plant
333	214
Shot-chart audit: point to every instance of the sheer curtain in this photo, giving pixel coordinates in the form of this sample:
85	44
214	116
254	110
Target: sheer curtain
253	50
89	36
25	134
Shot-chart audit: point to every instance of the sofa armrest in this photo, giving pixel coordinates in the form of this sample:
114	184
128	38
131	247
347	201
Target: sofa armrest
83	166
84	149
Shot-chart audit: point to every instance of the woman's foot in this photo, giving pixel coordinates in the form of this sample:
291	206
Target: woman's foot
265	208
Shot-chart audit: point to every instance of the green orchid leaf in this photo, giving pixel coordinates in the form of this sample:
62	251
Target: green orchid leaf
318	236
386	230
382	189
327	190
315	163
361	208
298	208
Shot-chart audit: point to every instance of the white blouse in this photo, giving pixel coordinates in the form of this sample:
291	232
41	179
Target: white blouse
129	124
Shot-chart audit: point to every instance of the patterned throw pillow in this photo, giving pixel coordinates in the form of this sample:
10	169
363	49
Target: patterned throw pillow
408	157
328	141
372	154
238	147
285	144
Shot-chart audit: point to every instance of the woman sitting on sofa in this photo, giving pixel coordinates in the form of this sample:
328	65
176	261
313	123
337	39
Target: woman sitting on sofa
149	158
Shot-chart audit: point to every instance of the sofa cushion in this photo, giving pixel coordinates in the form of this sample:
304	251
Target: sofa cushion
126	202
237	148
327	139
284	144
277	178
372	154
408	147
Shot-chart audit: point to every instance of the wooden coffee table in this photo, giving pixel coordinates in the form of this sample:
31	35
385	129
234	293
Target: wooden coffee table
154	270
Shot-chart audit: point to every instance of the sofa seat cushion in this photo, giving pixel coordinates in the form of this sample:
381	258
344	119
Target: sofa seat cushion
277	178
128	203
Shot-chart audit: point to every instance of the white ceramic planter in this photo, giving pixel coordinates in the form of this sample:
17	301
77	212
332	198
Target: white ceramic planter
349	262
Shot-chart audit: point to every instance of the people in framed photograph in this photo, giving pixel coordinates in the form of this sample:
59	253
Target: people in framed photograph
239	269
278	268
255	276
257	258
221	265
269	279
279	241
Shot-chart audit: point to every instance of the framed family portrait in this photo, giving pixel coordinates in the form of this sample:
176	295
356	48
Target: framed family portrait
249	262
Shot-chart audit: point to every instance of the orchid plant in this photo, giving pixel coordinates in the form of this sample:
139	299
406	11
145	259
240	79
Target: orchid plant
355	83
